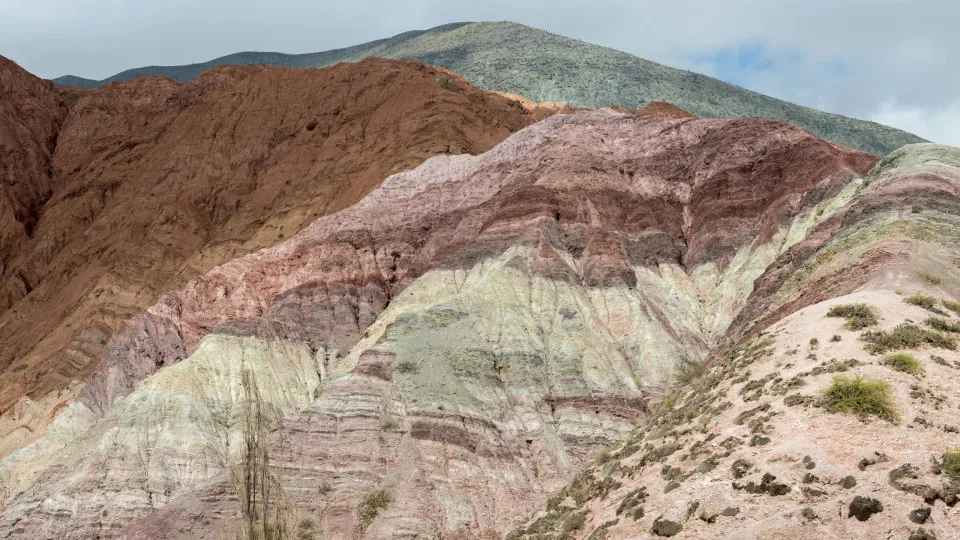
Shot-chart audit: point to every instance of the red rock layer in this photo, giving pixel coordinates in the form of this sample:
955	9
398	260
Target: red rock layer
152	182
31	113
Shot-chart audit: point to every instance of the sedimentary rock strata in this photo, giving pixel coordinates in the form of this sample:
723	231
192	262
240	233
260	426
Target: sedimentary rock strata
148	183
477	328
756	446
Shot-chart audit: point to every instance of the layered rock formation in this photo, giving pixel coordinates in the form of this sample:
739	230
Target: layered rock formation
474	331
755	446
148	183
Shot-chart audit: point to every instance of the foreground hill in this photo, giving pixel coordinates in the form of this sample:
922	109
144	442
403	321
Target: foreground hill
838	418
541	66
114	197
444	356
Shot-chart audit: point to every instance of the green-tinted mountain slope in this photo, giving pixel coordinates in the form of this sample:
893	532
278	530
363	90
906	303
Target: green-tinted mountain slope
514	58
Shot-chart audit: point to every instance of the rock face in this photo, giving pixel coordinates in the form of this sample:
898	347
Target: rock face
31	114
760	430
148	183
511	57
476	328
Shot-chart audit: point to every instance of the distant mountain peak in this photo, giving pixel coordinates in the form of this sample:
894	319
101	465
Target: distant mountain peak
513	58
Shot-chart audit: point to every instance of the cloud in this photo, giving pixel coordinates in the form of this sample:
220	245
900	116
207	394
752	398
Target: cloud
854	57
940	125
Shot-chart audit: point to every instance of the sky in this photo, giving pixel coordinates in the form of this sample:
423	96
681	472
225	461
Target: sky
892	61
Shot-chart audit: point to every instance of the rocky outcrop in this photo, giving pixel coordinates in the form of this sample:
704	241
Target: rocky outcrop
479	327
762	443
152	182
31	114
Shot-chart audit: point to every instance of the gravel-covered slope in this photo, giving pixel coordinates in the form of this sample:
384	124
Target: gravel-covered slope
541	66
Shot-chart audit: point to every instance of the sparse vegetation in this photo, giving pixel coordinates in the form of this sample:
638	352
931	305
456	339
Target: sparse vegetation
265	511
859	396
687	370
906	336
915	209
388	425
930	278
950	463
814	343
372	504
904	362
835	338
405	366
951	305
928	303
943	325
305	529
602	456
858	316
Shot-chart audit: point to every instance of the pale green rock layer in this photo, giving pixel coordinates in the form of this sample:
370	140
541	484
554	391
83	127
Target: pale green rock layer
180	427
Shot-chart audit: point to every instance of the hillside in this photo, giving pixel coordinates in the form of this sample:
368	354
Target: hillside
541	66
124	193
831	412
444	356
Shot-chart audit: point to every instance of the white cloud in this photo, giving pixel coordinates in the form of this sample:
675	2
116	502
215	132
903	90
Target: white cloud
940	125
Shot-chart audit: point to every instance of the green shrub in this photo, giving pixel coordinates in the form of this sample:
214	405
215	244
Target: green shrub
904	362
687	370
858	316
915	209
602	456
951	305
305	529
859	396
926	302
950	463
405	366
929	278
943	325
835	338
573	523
372	504
906	336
